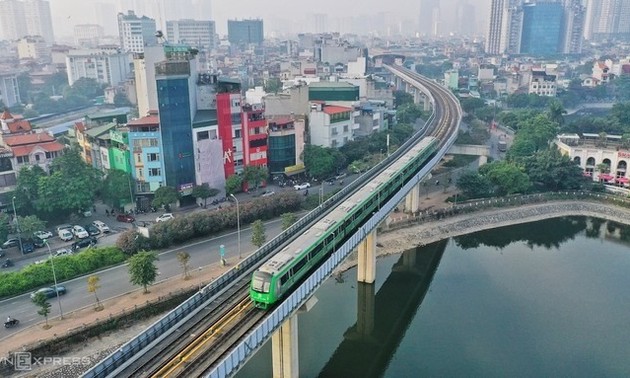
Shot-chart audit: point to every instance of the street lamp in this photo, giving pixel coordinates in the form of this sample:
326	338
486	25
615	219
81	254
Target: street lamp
52	264
17	225
238	225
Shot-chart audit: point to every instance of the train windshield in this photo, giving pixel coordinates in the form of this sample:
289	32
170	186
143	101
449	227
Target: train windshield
261	282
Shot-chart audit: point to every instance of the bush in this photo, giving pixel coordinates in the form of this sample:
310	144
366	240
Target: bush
66	267
202	224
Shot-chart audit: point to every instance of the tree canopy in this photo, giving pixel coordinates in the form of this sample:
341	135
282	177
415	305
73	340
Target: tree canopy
204	191
322	162
117	189
165	196
142	269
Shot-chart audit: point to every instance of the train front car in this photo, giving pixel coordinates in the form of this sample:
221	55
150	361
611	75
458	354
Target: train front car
260	289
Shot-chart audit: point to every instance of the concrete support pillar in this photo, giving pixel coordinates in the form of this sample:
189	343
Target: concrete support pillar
367	259
365	309
483	159
427	105
412	200
284	350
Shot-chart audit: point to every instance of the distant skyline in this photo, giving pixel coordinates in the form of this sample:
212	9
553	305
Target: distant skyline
275	13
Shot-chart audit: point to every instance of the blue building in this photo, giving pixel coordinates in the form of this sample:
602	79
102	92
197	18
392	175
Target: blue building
542	28
176	94
146	158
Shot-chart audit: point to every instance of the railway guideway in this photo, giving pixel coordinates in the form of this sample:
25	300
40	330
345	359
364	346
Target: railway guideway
281	322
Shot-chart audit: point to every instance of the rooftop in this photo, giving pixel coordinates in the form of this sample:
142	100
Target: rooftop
332	109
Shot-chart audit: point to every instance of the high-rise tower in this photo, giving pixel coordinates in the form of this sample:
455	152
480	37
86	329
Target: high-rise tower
505	27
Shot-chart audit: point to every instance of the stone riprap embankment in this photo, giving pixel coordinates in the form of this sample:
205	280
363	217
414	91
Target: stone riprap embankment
429	231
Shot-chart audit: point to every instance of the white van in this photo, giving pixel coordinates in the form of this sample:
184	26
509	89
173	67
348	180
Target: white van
65	234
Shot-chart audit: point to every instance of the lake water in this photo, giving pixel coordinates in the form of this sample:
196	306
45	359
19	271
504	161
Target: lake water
549	298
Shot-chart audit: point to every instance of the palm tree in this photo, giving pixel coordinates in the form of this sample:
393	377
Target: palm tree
556	111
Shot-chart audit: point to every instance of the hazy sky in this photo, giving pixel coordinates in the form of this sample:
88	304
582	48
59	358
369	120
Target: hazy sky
67	13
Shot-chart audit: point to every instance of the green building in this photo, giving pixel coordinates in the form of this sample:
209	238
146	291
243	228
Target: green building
332	91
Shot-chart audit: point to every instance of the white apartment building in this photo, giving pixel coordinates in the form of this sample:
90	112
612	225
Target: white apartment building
198	34
542	84
144	71
11	12
107	66
331	125
87	35
136	32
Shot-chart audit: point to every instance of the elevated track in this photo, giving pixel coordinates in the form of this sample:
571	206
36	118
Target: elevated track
216	336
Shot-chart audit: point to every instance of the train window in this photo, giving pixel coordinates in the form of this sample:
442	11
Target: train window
284	278
260	281
299	265
330	238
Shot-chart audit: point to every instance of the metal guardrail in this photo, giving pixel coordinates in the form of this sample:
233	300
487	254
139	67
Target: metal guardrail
234	360
133	349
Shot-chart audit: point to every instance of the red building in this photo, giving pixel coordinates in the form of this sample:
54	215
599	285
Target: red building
255	135
243	133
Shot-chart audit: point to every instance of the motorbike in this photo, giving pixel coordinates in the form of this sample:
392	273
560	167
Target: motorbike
11	323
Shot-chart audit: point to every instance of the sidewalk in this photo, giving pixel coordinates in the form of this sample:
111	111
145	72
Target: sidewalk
113	306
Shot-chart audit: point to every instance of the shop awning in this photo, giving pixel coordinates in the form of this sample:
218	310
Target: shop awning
623	180
606	177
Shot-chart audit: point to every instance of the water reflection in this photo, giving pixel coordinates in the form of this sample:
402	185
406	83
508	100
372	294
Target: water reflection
382	319
508	309
549	233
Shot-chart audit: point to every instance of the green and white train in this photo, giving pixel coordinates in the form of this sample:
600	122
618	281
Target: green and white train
284	270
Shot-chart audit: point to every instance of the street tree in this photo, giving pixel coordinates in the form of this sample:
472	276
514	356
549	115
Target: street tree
287	220
27	186
4	226
121	100
507	177
258	233
93	284
116	189
551	170
71	186
204	191
142	269
322	162
165	196
183	258
234	184
29	224
254	175
41	301
474	185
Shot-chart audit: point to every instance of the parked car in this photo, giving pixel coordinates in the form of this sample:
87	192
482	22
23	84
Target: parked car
7	263
63	252
302	186
102	227
268	194
43	234
80	232
82	243
11	242
63	227
65	234
37	242
127	218
92	229
50	292
164	217
27	246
